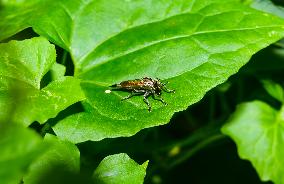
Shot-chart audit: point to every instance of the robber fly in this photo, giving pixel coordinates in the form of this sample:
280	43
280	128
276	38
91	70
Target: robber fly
146	87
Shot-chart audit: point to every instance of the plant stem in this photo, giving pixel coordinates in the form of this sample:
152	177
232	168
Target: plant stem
64	57
200	134
195	149
212	107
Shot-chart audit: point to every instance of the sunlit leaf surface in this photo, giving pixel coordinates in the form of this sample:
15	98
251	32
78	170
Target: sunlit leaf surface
22	66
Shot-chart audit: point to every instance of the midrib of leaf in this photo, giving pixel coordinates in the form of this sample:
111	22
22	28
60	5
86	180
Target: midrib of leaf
97	61
98	83
81	61
162	19
71	24
194	71
165	40
186	8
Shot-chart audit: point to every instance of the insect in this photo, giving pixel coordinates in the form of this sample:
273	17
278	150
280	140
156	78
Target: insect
145	86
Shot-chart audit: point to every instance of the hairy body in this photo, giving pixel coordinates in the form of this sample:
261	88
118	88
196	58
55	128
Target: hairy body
146	87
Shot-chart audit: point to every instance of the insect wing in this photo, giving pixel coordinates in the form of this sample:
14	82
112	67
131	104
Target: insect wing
132	84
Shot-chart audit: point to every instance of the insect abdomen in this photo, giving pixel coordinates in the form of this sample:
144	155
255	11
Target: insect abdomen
131	84
123	84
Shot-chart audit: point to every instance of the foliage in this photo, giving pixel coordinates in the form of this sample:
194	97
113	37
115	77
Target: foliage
258	131
194	45
17	152
119	169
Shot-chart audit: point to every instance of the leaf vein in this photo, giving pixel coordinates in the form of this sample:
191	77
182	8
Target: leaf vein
170	39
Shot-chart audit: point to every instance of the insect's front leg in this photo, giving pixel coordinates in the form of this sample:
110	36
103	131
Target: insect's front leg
146	95
168	90
159	98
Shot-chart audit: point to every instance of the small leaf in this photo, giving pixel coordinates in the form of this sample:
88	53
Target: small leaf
119	168
57	71
19	147
258	131
274	89
60	164
22	66
27	61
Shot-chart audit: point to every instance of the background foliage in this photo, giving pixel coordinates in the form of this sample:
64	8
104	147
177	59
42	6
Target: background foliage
57	59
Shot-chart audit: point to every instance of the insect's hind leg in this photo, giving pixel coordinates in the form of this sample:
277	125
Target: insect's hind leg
129	96
146	95
133	93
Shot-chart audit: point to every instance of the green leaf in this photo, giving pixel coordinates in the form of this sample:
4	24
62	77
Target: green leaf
181	46
60	164
258	131
27	61
22	66
119	168
274	89
57	71
19	147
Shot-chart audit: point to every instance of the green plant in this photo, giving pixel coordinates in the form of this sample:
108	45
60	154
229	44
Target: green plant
194	45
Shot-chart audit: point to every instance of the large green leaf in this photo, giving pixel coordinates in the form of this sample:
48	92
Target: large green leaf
195	45
22	66
19	147
60	164
258	131
119	168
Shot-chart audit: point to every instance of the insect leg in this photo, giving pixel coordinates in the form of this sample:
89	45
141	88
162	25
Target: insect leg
129	96
165	83
133	93
146	95
139	91
159	99
168	90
